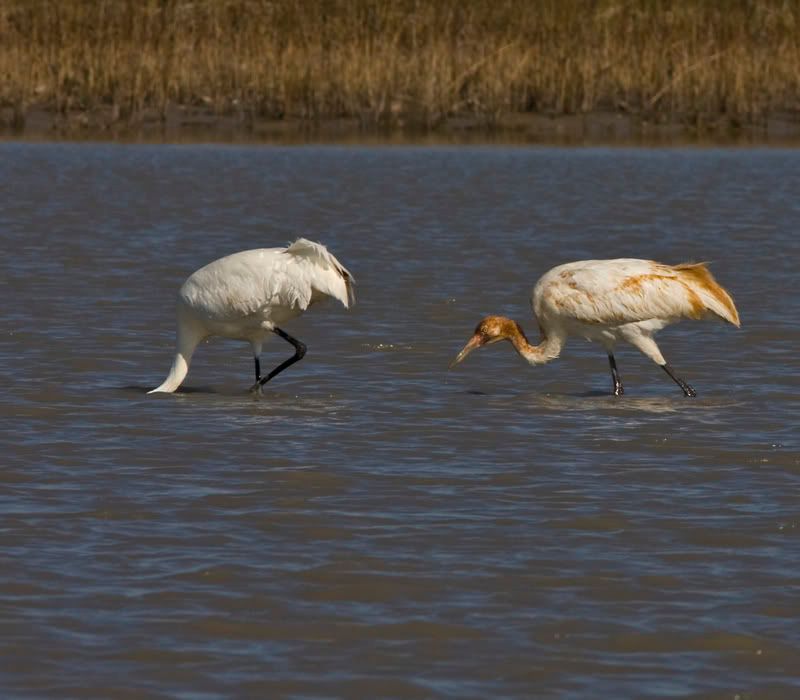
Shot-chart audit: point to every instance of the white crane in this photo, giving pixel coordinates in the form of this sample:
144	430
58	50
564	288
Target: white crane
246	295
607	301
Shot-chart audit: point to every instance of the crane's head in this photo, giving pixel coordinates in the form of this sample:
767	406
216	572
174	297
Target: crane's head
490	330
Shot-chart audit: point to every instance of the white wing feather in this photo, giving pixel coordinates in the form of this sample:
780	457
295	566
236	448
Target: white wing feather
266	282
330	276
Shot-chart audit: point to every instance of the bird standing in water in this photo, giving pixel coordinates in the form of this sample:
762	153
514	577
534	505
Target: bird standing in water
607	301
246	295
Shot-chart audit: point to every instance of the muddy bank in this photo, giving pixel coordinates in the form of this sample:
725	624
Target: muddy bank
199	124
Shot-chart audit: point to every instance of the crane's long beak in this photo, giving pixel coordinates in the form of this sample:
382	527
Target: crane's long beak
474	342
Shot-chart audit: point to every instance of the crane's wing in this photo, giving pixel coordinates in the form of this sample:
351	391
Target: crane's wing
615	292
267	282
244	284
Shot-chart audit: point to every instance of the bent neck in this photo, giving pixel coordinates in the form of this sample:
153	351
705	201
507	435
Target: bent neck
190	333
177	373
548	349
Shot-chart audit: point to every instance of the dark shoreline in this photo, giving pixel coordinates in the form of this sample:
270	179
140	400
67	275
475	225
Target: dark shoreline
202	125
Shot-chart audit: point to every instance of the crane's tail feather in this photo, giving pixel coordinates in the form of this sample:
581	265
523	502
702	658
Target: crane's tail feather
319	254
714	299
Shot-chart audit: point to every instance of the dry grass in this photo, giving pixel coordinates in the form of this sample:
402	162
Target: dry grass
403	61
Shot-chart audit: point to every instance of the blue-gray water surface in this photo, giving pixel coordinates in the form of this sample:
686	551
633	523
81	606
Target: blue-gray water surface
375	526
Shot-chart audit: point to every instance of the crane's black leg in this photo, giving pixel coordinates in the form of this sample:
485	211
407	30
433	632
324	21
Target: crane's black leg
687	390
258	370
299	353
619	390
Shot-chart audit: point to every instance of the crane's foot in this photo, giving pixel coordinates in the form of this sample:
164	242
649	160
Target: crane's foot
687	390
257	389
618	388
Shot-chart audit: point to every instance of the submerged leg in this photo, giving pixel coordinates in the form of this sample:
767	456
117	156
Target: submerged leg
618	388
299	353
256	346
687	390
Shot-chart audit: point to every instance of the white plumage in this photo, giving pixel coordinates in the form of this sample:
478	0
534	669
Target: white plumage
246	296
611	300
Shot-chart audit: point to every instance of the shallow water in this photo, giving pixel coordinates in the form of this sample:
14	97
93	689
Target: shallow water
375	526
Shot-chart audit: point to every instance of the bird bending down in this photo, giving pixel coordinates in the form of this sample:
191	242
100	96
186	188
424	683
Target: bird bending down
607	301
246	295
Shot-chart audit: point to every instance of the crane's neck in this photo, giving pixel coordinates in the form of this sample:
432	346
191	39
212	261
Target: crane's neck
190	333
548	349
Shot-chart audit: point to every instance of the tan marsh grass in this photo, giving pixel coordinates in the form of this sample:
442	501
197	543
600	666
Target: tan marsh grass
402	61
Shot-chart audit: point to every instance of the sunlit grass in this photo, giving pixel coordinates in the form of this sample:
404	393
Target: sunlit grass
409	61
